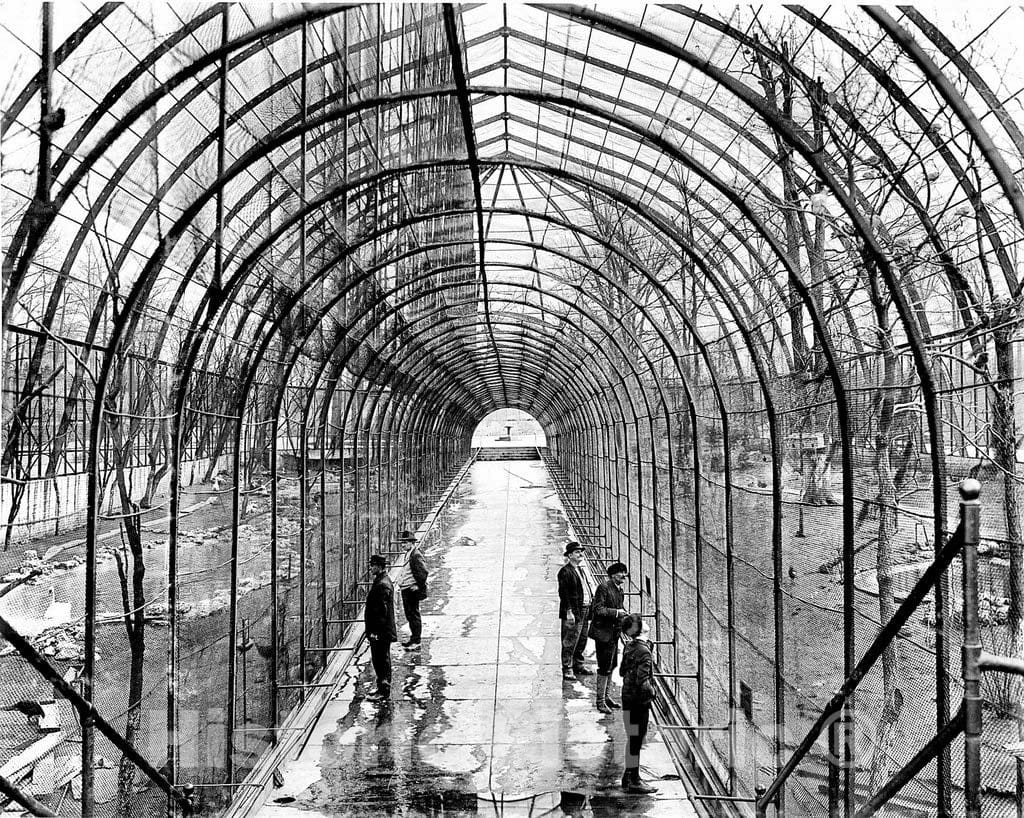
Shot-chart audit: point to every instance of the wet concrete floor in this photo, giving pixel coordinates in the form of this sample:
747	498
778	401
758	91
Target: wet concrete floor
480	721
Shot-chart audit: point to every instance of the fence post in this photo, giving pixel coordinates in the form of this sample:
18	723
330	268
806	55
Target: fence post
970	515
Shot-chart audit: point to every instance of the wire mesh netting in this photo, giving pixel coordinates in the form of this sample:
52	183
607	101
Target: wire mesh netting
267	266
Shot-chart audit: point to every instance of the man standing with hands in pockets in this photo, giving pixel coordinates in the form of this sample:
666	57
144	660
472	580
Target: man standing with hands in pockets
574	612
413	585
379	618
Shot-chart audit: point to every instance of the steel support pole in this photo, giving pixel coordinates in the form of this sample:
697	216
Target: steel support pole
24	800
275	590
970	515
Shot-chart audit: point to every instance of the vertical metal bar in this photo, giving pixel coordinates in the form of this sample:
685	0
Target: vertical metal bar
384	438
45	171
245	676
275	637
655	528
405	477
303	264
841	731
304	460
698	565
322	431
172	605
778	615
383	529
638	537
342	432
606	487
89	664
222	125
730	612
218	273
673	541
236	500
970	514
360	500
303	465
343	593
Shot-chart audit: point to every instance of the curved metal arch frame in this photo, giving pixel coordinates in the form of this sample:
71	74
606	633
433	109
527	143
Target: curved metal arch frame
655	478
884	81
75	39
623	418
725	421
135	290
739	306
252	370
232	44
808	300
353	392
564	224
257	36
693	254
992	155
874	255
346	114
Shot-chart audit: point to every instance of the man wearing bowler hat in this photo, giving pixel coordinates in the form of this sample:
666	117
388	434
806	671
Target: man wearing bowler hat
413	585
379	618
574	612
605	626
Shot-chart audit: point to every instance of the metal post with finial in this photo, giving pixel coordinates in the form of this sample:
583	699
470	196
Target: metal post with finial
970	516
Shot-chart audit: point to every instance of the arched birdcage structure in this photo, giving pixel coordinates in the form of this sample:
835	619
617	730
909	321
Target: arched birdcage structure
753	270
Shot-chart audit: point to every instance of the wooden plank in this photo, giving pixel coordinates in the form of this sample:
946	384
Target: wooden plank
23	760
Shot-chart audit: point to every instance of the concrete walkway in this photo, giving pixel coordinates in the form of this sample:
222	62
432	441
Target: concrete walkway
480	721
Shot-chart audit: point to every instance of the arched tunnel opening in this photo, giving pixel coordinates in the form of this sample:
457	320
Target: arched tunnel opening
509	428
730	297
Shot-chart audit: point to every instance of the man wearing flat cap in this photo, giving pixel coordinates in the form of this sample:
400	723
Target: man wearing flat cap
574	612
607	612
413	585
379	618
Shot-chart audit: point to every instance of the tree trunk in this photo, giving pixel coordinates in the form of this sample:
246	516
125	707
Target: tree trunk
158	467
1004	426
133	602
134	618
892	696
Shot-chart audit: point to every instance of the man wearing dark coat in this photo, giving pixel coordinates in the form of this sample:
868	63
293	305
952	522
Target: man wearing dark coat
379	619
574	612
413	585
606	617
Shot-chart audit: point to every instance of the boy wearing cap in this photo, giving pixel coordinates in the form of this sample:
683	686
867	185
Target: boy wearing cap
413	585
379	618
573	611
607	613
637	695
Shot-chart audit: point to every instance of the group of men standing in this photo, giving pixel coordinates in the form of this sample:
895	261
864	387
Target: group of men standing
598	618
604	619
379	615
